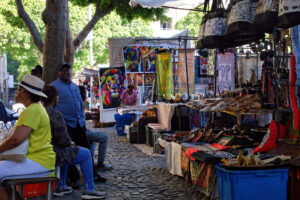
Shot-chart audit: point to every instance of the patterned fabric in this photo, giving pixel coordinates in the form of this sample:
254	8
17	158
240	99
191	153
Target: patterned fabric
61	140
165	85
182	79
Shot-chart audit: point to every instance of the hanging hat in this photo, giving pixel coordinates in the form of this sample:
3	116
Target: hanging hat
33	85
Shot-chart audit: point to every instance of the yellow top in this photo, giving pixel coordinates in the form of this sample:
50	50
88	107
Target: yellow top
40	149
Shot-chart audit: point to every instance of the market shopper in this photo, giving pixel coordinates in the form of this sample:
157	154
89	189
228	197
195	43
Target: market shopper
97	137
33	124
71	106
66	151
129	97
37	71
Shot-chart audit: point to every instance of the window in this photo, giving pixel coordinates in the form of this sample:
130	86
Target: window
165	26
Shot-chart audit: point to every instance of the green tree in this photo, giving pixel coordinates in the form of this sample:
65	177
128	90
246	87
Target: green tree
56	44
12	67
191	22
17	41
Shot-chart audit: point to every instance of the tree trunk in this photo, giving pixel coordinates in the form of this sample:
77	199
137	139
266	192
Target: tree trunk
54	17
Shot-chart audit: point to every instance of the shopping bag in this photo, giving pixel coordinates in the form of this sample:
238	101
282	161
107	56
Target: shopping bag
16	154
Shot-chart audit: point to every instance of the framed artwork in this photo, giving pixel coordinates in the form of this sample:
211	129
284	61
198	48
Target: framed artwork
111	85
149	78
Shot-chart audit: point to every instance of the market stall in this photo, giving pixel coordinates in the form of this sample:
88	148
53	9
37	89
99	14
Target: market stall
251	139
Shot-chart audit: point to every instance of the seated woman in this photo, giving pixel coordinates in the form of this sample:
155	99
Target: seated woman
33	124
66	151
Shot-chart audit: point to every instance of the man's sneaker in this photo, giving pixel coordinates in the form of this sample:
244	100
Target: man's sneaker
104	167
94	194
59	192
99	179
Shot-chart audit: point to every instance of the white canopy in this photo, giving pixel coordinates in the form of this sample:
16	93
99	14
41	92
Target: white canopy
169	3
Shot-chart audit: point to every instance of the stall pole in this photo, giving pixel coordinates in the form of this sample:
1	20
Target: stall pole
186	68
277	114
216	74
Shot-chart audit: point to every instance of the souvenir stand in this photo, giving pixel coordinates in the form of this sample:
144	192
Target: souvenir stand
232	157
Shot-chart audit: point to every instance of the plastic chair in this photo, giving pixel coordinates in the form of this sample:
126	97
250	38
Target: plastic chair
6	116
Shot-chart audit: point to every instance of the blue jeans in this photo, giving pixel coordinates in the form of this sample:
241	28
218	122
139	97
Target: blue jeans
102	139
86	165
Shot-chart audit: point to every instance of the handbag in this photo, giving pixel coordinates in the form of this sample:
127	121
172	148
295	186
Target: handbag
266	15
289	13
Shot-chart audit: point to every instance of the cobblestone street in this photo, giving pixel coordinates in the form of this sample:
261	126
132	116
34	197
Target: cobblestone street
137	175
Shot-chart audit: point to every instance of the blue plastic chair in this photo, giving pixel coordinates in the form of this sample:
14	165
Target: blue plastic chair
6	116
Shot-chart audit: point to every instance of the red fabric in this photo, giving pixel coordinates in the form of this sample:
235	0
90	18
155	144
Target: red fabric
296	111
219	146
269	141
190	151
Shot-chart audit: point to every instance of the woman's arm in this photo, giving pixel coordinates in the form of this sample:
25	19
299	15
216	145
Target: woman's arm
20	134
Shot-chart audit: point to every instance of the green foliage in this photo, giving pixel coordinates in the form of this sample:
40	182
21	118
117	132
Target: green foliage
16	40
191	22
12	66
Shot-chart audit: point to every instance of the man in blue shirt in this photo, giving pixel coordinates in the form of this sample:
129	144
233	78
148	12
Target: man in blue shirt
71	106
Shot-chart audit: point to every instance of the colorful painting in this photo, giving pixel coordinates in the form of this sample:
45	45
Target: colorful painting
112	85
132	79
149	78
164	74
140	79
148	55
182	77
132	59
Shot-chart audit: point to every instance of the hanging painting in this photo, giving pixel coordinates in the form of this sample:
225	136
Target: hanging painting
112	85
132	58
149	78
148	58
132	79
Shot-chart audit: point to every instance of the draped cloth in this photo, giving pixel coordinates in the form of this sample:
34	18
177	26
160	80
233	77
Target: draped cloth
182	79
165	85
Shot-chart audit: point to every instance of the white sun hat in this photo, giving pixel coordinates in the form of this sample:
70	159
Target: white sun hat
33	85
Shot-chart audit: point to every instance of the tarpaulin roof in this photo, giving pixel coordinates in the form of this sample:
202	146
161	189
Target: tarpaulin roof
168	3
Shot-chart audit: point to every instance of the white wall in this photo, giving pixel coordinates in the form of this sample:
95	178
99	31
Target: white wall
176	15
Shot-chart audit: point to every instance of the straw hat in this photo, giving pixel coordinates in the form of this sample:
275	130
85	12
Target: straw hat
33	85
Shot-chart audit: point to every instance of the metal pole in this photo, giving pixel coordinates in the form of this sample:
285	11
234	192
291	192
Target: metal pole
186	68
90	36
216	74
277	116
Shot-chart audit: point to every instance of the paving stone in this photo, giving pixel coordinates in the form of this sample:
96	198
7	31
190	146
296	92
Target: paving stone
137	175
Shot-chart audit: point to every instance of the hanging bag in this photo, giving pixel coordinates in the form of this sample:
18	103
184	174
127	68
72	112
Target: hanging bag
201	35
216	26
239	17
240	27
266	15
289	13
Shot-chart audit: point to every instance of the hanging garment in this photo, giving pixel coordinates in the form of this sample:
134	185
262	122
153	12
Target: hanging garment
295	130
226	71
165	85
182	79
267	85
